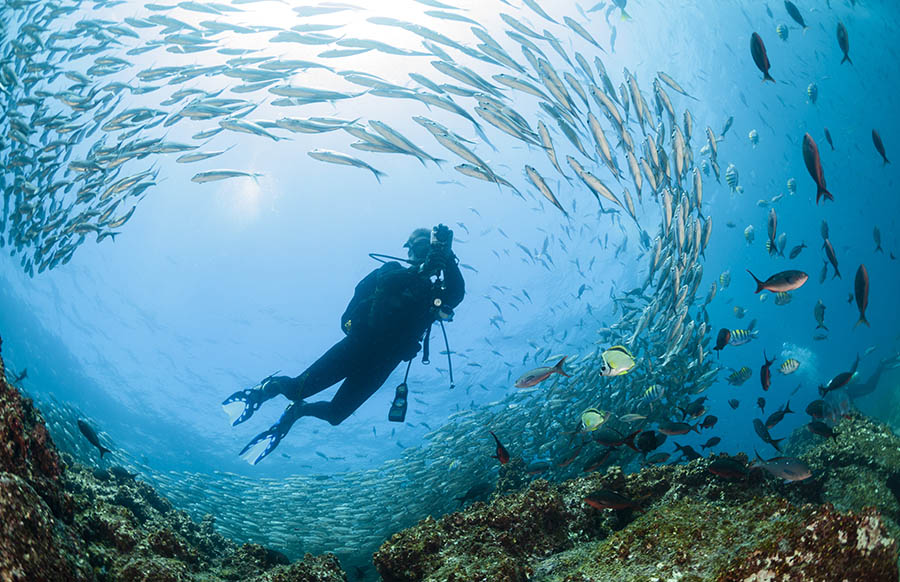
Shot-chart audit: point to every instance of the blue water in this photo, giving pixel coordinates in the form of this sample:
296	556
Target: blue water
211	287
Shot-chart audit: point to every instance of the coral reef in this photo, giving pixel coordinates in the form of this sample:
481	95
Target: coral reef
686	524
62	521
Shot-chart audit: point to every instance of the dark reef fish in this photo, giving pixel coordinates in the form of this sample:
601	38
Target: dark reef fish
92	437
711	443
794	12
828	138
840	380
728	468
814	167
820	428
783	281
688	453
879	145
722	339
844	42
765	372
861	290
829	252
502	454
795	252
787	468
606	499
676	428
758	50
650	440
763	433
778	415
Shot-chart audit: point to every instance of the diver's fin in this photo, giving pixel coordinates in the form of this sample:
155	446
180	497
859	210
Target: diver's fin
256	450
234	410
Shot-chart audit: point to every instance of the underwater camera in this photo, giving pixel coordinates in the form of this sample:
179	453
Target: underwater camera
398	406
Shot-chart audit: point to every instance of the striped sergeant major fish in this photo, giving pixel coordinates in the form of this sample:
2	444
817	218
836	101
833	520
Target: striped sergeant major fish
740	337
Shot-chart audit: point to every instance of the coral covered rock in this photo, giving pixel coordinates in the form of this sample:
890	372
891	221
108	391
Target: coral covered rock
34	545
678	523
62	521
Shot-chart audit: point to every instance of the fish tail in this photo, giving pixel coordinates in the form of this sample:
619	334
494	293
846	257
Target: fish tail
862	319
846	59
774	443
558	368
878	248
759	284
823	192
625	16
836	274
886	161
768	77
378	174
694	428
629	440
822	326
104	450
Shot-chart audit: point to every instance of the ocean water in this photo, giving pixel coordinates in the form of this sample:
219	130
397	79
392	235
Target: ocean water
210	287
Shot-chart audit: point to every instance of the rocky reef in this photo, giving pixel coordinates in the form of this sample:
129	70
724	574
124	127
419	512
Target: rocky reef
684	524
61	521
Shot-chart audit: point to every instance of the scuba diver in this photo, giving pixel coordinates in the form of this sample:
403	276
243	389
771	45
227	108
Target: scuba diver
387	321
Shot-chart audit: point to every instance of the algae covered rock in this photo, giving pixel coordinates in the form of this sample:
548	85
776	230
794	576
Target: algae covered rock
682	523
64	522
34	545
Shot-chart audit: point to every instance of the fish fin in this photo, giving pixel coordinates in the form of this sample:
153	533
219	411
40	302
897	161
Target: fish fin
823	192
759	284
559	369
629	440
862	319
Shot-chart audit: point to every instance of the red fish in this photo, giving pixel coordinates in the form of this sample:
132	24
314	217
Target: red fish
722	339
758	50
502	454
861	287
606	499
783	281
538	375
814	167
765	374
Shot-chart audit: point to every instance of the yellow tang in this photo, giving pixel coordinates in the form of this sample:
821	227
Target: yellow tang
592	419
617	361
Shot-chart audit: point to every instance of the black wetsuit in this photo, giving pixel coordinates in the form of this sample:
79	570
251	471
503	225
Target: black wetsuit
385	321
